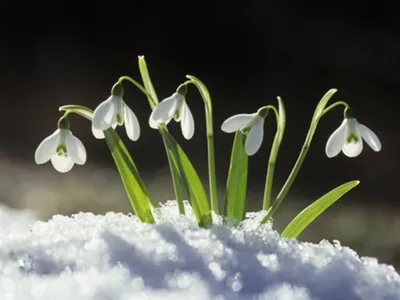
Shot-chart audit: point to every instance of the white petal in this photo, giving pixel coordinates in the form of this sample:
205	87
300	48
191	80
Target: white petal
370	137
187	121
353	149
336	140
99	134
131	123
75	149
47	148
105	115
153	123
165	110
62	163
254	137
236	122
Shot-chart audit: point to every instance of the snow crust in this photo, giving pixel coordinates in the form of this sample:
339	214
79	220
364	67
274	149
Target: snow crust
114	256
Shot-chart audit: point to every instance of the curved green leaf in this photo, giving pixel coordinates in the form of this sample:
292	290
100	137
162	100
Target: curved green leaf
235	195
322	103
134	186
191	181
144	72
309	214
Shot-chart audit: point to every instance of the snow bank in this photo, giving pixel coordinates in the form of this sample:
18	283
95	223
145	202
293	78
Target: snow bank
114	256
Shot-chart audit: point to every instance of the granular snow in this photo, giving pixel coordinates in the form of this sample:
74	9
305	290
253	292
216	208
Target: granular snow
114	256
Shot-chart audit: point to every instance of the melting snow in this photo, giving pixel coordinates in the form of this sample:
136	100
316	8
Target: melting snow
114	256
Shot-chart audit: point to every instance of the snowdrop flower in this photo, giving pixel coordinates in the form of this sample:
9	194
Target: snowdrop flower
62	148
250	124
348	138
113	112
174	107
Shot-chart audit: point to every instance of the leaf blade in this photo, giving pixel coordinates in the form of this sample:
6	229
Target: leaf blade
310	213
148	85
191	181
235	195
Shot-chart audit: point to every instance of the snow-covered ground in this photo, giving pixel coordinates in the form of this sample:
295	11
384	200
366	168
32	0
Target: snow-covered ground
114	256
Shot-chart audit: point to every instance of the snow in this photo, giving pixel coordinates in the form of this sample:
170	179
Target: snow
114	256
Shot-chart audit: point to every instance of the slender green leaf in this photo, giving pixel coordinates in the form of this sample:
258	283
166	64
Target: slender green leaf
236	184
130	177
134	186
309	214
191	181
322	103
282	120
144	72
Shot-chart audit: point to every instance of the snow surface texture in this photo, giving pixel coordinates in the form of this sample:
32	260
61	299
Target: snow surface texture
114	256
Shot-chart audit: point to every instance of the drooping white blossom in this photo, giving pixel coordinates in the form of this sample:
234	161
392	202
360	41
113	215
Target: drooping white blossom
63	149
113	112
348	138
175	107
250	124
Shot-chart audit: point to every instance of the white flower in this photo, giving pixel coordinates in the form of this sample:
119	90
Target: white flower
113	112
64	150
174	107
348	138
250	124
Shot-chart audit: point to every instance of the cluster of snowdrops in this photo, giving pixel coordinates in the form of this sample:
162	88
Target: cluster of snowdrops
64	150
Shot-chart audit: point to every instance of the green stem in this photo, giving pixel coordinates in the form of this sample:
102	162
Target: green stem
152	101
299	161
272	161
174	173
334	105
210	140
291	177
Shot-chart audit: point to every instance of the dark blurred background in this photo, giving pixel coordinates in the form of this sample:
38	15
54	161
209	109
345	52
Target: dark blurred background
247	53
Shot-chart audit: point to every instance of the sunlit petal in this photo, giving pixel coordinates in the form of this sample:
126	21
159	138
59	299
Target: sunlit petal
99	134
153	123
47	148
336	140
131	123
62	163
236	122
75	149
105	115
369	137
187	122
164	111
353	149
254	137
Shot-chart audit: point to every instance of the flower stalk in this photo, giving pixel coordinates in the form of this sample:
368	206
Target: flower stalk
280	129
212	176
